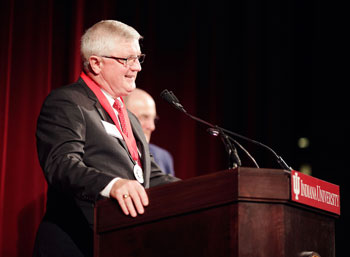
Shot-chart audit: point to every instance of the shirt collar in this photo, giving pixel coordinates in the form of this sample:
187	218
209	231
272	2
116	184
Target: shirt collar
110	98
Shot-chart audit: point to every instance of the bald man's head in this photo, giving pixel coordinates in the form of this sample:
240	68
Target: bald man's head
143	106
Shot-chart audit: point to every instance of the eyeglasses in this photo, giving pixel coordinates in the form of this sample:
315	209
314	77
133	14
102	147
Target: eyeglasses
130	61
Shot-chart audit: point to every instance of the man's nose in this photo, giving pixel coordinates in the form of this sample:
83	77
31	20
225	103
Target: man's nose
136	66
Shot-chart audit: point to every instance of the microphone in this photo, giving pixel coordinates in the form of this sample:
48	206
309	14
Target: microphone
234	159
216	130
169	97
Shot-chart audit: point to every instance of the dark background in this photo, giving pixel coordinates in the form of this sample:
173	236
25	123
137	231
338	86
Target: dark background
273	71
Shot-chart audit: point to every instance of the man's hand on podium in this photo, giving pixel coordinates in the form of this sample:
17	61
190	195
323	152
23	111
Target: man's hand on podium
131	196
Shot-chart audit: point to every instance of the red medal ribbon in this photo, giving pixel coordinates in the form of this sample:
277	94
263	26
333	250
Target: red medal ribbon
128	136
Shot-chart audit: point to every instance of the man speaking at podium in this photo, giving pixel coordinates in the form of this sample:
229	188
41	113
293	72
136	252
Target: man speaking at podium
90	146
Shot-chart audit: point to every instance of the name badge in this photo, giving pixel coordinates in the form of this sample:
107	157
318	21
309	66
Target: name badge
111	130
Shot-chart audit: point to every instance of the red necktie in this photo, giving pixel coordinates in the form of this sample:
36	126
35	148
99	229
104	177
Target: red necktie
118	106
130	141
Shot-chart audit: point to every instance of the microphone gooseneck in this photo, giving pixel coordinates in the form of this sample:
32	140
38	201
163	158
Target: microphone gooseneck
228	141
231	150
279	159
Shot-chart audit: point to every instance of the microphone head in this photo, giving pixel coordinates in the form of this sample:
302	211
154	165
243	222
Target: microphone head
174	97
167	96
171	98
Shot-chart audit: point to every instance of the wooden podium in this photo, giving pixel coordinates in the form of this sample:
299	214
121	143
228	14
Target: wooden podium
239	212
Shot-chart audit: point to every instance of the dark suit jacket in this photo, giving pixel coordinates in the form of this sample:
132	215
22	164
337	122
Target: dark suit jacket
79	158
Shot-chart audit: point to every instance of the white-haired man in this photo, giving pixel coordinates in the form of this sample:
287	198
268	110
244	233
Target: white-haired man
90	146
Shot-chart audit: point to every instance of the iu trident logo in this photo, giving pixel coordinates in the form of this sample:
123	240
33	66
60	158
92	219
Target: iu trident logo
296	185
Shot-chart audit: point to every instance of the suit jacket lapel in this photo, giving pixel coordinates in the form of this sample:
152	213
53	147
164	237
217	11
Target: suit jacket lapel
103	114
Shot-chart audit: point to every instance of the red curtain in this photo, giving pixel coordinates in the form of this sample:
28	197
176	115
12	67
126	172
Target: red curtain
27	72
25	81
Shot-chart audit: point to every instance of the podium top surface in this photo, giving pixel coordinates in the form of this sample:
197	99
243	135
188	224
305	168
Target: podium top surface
208	191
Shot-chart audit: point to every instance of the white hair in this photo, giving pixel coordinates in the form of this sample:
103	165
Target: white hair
100	39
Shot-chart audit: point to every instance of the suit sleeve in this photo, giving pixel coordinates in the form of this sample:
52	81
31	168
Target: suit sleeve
61	138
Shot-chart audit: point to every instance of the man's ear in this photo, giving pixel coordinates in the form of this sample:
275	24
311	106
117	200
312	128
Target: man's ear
95	64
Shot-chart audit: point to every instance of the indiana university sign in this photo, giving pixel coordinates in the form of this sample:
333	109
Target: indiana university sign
315	192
